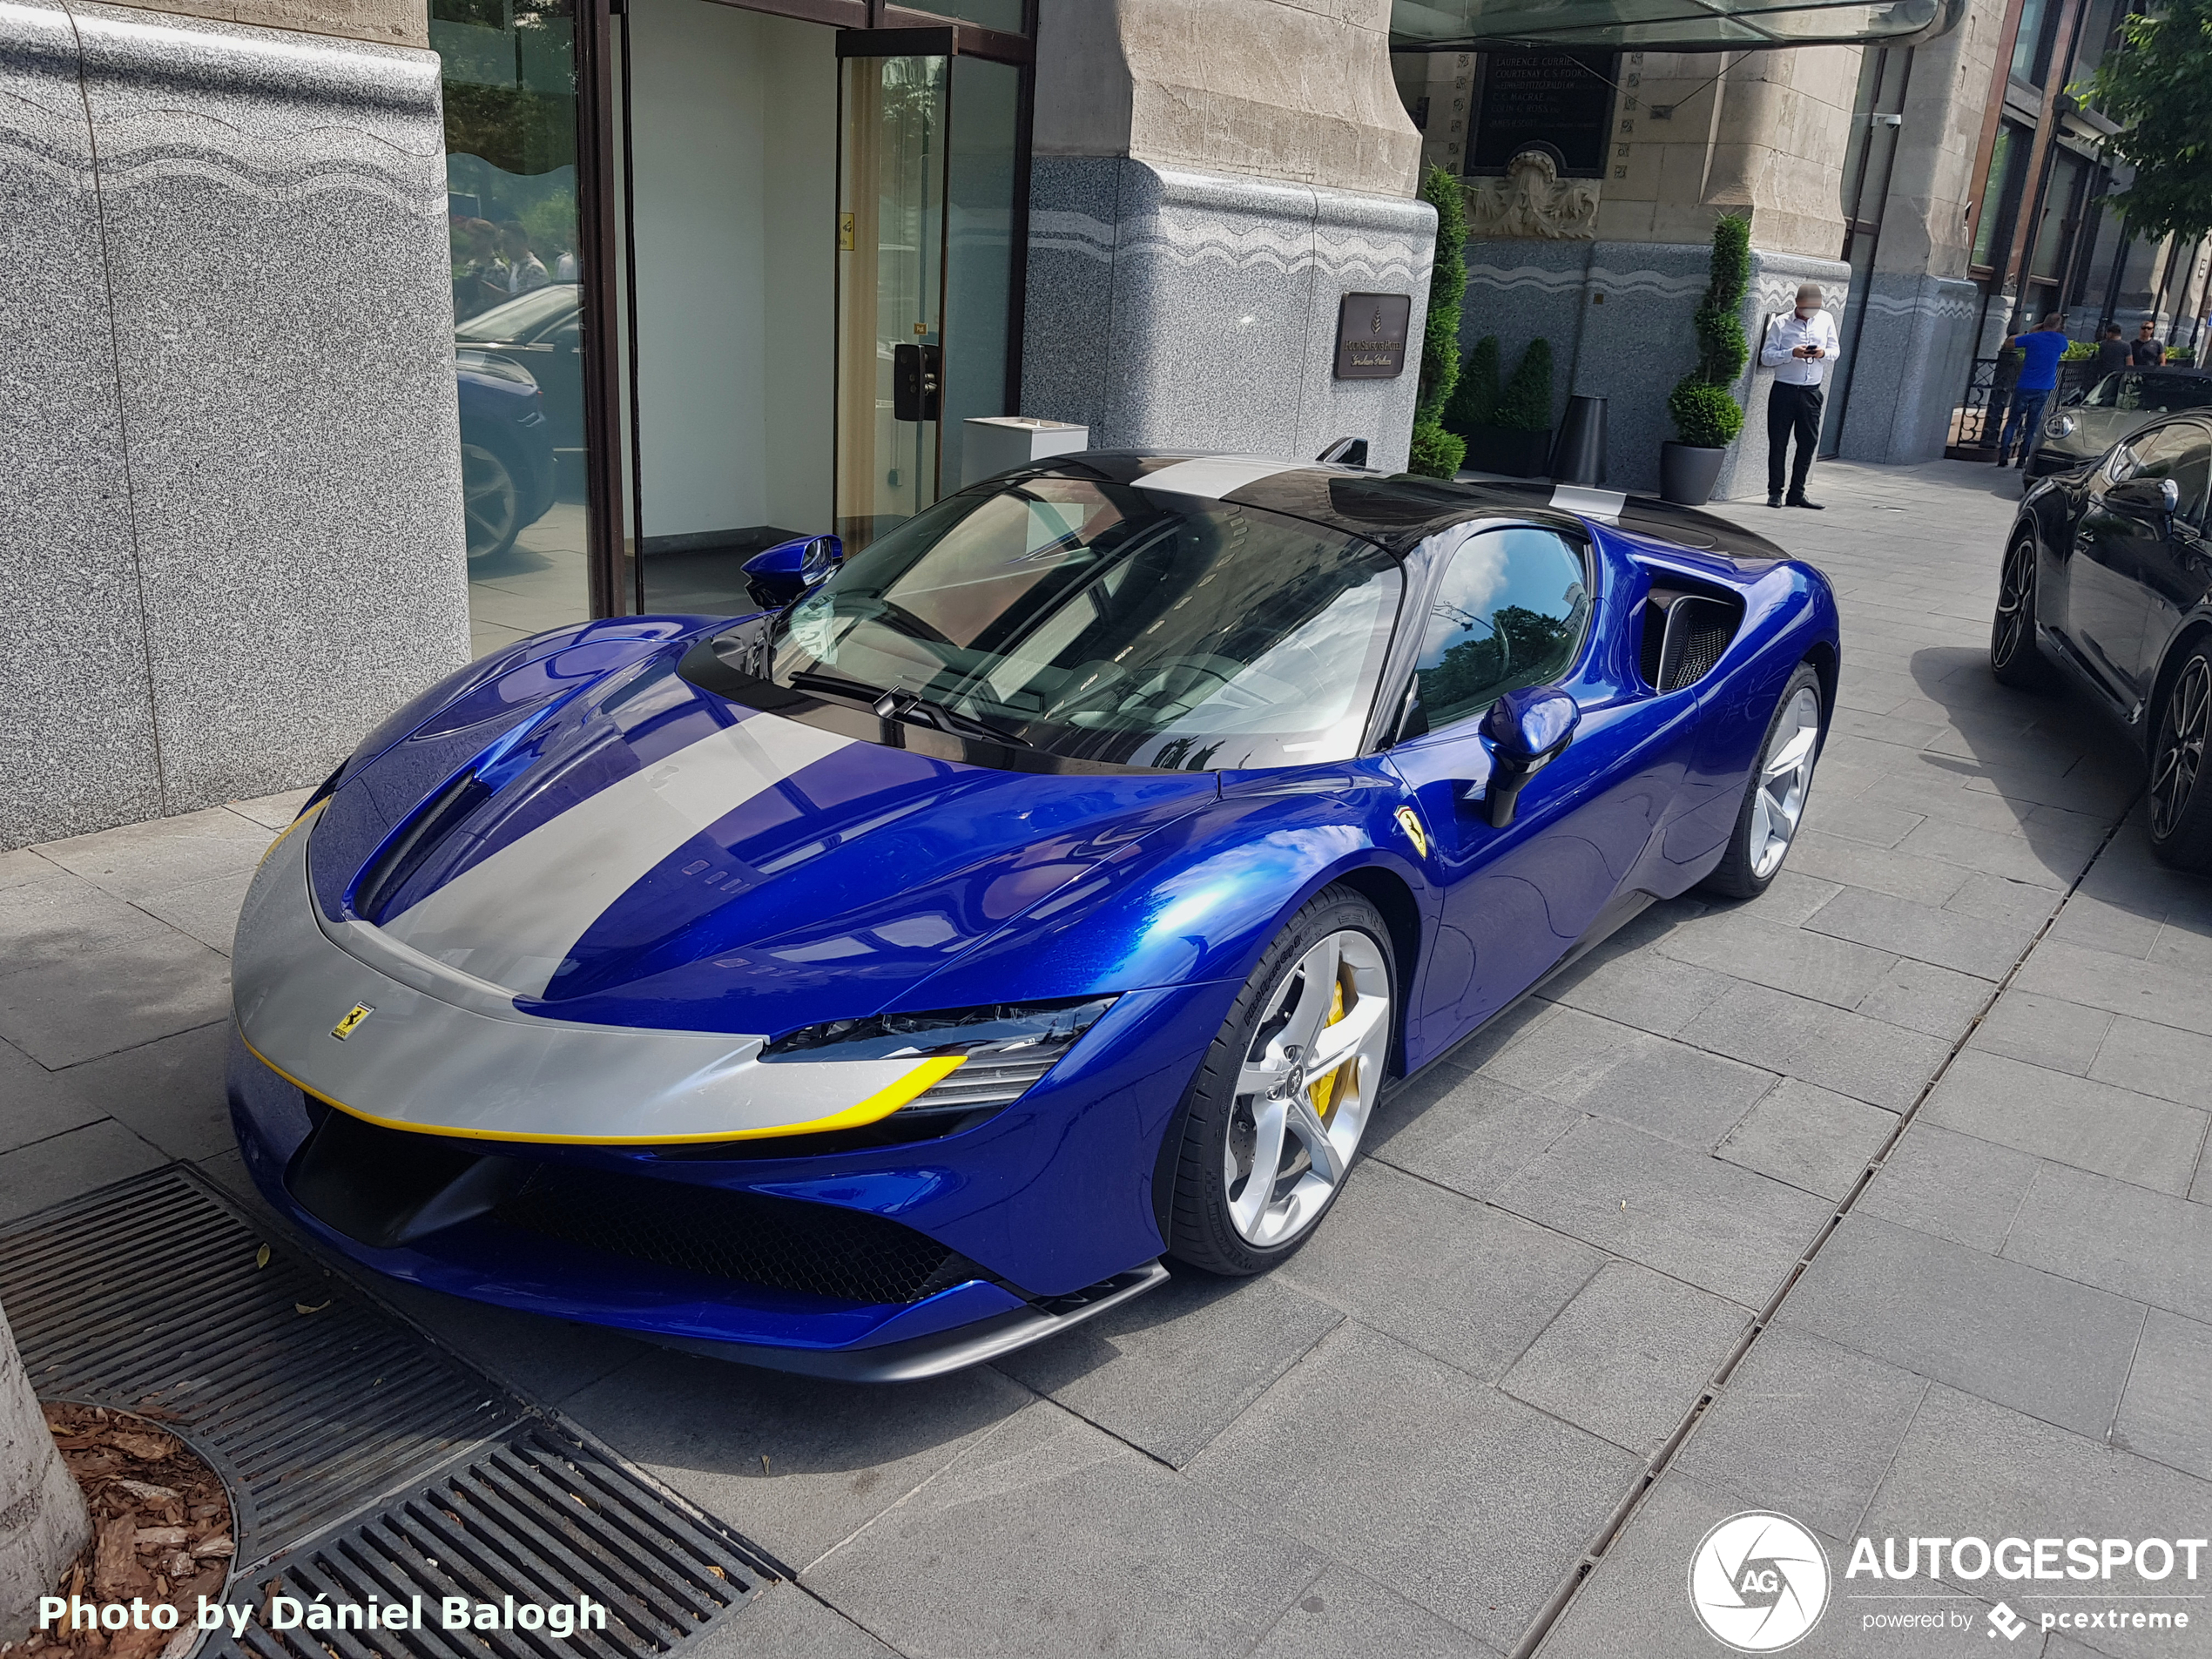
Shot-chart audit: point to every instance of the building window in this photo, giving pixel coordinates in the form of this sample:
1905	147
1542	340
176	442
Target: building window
2032	43
510	111
1999	193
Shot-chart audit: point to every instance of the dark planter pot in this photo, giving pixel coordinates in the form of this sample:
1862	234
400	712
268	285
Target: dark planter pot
1688	472
1509	449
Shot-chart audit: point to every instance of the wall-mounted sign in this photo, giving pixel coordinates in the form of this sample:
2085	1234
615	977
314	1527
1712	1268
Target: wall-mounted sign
1558	101
1370	335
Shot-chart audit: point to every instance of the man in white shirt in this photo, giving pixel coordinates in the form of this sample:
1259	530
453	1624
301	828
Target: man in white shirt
1799	348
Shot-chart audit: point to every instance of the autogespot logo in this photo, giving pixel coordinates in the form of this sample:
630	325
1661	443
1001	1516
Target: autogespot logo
1759	1583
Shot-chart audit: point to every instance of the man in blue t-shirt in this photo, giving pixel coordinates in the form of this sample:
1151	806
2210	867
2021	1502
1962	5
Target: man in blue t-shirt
2039	376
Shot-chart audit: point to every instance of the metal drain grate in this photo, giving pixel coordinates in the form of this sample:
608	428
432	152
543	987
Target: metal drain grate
543	1518
146	1293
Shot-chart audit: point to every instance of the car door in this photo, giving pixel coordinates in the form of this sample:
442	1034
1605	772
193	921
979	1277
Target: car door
2177	565
2118	545
1512	608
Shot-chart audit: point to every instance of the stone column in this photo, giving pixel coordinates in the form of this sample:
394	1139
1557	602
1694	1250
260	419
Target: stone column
1211	178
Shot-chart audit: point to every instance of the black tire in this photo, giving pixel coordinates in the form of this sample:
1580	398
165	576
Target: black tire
491	497
1202	1230
2179	800
1744	871
2014	656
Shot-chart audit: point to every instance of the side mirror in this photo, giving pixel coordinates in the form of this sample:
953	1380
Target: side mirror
789	569
2146	496
1525	729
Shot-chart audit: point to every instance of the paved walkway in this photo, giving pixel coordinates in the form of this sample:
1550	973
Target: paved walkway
1576	1257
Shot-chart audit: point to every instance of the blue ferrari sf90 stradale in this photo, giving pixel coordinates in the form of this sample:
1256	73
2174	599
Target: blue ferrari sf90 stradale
897	977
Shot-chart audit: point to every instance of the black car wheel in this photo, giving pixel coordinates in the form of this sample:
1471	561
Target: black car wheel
2180	808
1281	1100
2013	658
492	497
1774	801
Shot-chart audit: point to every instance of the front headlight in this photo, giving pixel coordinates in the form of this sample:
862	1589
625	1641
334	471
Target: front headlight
2059	426
1004	1049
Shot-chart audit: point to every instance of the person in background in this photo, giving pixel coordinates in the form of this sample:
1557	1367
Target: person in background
2038	375
525	270
2148	351
1799	348
2112	351
479	278
564	260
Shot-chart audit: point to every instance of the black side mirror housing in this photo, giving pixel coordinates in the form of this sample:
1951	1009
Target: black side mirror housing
2147	495
1526	730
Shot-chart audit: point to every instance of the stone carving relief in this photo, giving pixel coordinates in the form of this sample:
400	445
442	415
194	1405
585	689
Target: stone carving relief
1532	199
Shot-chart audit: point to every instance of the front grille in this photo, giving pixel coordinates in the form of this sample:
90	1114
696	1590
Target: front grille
784	1243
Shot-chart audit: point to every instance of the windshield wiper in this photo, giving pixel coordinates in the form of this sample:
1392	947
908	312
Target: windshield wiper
899	704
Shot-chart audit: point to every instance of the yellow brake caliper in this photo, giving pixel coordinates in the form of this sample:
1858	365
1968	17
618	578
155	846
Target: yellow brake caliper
1325	1090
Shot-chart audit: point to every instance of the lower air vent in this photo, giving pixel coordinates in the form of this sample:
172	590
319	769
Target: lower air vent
784	1243
1683	637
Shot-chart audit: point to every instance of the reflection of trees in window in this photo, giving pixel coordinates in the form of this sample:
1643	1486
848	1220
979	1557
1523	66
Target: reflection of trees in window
1523	647
521	117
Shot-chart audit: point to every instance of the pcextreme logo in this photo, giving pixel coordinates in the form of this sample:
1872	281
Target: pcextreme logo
1759	1583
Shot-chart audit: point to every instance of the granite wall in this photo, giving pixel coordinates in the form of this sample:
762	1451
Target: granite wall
1618	315
1915	348
1188	310
231	515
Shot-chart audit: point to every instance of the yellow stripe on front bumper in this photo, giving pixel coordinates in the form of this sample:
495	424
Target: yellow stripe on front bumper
874	1109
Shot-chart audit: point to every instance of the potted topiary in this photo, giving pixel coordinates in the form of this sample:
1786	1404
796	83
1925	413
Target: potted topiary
1516	439
1474	401
1703	405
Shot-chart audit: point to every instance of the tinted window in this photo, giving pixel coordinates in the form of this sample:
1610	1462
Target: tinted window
2181	452
1511	612
1112	623
2150	394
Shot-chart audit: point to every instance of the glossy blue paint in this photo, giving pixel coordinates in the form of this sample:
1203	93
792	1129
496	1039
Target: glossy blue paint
861	879
788	570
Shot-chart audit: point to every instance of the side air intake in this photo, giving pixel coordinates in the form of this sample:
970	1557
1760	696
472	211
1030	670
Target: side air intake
1684	635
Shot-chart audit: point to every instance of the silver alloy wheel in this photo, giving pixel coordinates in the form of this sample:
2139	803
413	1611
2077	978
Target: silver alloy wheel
2015	594
1785	772
1307	1084
490	497
2179	755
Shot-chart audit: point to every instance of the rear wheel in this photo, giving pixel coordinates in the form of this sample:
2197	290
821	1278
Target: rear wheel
492	497
1282	1099
2180	802
1774	803
2013	658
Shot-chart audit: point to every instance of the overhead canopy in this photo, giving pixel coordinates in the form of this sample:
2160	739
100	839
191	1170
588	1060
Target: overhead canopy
1665	25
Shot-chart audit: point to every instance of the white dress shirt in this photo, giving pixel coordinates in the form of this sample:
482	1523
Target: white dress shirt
1786	335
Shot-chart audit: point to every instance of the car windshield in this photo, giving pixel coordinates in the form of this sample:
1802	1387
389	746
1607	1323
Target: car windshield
2151	393
1106	622
521	317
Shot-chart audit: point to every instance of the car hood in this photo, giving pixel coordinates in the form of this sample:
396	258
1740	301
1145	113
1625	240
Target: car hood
2095	430
649	854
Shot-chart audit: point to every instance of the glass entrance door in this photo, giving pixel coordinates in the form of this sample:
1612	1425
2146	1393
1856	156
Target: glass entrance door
893	141
929	165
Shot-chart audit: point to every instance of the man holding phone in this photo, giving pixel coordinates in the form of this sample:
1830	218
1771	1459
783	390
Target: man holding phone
1799	348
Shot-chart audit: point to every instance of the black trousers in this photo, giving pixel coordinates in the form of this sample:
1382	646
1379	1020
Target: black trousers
1790	409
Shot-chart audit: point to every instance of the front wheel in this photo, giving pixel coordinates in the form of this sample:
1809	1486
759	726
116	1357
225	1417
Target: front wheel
2013	658
2180	805
492	498
1284	1094
1774	802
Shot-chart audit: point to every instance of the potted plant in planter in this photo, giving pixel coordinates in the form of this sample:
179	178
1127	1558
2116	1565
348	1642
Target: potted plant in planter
1508	428
1473	408
1703	405
1435	450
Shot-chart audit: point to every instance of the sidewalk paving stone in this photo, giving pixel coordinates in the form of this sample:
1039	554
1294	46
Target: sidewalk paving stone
1169	1370
139	859
1614	1070
1742	942
2044	1031
2166	1415
1848	1053
1951	1185
1341	1612
1067	1540
2120	984
2026	1339
784	1621
207	910
1465	1131
114	996
1684	1213
1926	932
62	1166
1935	1001
1810	1137
2145	1246
1464	1282
1435	1485
1805	1425
1623	1357
170	1091
36	1103
2091	1125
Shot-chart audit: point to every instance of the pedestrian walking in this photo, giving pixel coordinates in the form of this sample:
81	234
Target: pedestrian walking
2112	351
2038	375
2148	351
1799	348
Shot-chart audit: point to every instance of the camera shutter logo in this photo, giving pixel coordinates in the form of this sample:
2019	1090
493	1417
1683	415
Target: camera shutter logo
1759	1583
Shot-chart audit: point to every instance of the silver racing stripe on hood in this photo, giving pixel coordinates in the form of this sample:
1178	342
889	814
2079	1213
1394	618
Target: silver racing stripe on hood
513	920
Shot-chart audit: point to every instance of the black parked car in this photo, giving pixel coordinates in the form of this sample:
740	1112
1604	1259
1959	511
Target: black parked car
2107	581
507	472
